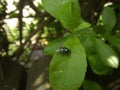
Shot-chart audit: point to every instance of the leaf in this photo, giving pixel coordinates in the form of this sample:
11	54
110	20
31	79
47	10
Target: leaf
66	11
109	18
83	25
88	40
106	54
52	46
67	72
113	40
97	66
91	85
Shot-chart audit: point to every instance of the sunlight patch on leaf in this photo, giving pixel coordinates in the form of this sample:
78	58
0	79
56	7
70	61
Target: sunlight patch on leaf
113	61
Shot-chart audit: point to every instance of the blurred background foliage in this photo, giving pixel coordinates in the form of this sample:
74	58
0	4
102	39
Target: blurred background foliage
23	24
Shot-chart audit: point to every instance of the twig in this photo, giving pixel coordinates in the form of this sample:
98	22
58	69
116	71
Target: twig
20	50
38	13
20	7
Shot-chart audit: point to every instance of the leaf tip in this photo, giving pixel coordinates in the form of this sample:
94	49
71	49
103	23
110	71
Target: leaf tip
113	61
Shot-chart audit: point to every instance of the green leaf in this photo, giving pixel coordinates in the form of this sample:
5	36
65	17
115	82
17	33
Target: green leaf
97	66
113	40
54	45
66	11
109	18
91	85
67	72
106	54
83	25
85	35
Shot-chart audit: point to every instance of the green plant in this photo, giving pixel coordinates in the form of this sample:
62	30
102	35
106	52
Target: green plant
67	72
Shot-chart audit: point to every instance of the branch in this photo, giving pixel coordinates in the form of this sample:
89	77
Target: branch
20	50
20	7
38	13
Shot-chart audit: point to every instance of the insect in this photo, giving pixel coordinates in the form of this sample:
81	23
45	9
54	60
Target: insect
64	51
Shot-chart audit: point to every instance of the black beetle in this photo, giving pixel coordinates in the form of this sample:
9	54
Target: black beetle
64	51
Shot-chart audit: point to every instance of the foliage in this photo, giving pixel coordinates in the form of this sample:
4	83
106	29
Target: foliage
88	83
89	29
63	9
66	71
101	56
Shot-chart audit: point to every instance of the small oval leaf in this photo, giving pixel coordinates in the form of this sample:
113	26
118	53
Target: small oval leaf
67	72
109	18
106	54
91	85
97	66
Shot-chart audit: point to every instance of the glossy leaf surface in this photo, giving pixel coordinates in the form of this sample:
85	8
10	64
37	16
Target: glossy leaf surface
106	54
66	11
67	72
